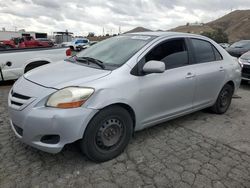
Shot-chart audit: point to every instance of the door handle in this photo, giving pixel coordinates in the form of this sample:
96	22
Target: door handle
221	69
190	75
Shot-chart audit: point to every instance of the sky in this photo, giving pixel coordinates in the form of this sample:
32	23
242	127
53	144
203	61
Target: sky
84	16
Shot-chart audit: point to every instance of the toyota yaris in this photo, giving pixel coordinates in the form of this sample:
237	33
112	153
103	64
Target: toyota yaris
118	86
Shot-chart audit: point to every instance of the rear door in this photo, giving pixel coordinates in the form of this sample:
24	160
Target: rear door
210	72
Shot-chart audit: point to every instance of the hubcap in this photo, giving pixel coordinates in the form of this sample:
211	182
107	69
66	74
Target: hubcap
224	98
109	133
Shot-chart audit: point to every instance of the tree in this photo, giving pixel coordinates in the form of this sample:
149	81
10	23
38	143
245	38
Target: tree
217	35
91	34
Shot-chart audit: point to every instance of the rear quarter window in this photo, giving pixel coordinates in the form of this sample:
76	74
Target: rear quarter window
204	51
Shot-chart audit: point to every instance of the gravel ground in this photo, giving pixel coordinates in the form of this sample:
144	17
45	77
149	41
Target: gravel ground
198	150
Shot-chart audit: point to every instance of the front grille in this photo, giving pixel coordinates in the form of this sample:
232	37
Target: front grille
246	71
18	130
245	76
18	101
20	96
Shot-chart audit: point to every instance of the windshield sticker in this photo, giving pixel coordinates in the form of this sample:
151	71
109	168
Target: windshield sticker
140	37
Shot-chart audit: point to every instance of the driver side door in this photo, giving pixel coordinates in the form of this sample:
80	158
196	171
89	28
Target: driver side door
169	94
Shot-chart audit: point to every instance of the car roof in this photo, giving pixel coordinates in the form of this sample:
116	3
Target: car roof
244	41
164	34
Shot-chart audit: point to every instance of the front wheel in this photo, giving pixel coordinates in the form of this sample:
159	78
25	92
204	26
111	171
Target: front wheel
107	134
224	100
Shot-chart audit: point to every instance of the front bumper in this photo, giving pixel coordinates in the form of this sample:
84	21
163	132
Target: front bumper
33	122
69	124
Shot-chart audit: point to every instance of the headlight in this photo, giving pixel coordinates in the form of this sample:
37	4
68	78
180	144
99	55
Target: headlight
240	62
70	97
243	61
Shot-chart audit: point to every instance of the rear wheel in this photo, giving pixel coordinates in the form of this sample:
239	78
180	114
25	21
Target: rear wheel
224	100
108	134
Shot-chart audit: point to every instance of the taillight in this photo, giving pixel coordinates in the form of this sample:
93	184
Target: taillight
68	52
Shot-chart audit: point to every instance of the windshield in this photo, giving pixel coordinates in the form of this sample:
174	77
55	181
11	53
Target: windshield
241	44
117	50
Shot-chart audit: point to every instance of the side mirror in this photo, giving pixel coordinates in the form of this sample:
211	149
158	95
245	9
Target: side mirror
154	67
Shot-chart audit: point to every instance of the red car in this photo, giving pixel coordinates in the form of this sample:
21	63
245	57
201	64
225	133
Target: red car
26	42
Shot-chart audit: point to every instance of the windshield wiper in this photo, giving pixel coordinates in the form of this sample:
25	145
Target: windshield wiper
92	60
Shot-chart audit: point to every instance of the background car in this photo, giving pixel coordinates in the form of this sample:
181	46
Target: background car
46	40
244	60
239	48
77	44
26	42
15	62
224	45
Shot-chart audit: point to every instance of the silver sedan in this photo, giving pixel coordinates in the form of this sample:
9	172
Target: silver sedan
121	85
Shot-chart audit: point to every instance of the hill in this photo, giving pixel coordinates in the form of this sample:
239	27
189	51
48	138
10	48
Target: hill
236	24
138	29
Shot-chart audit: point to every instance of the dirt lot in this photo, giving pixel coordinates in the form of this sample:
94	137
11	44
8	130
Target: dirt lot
198	150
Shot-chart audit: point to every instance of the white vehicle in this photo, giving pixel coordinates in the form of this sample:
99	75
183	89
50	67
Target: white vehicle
77	43
15	62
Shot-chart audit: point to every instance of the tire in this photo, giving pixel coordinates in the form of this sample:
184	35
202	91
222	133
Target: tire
113	123
224	100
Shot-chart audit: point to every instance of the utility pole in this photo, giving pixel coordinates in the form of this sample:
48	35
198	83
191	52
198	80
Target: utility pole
119	29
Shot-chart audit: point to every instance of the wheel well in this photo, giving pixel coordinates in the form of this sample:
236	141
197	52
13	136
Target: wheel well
128	108
35	64
231	83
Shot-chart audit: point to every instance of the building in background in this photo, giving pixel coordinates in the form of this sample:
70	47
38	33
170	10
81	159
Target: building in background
6	35
60	37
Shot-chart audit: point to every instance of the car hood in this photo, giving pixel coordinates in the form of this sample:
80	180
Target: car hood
246	56
63	74
237	50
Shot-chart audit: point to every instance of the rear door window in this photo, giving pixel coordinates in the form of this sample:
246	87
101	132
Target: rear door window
217	54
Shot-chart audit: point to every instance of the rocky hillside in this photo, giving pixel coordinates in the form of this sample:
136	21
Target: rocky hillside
236	24
138	29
